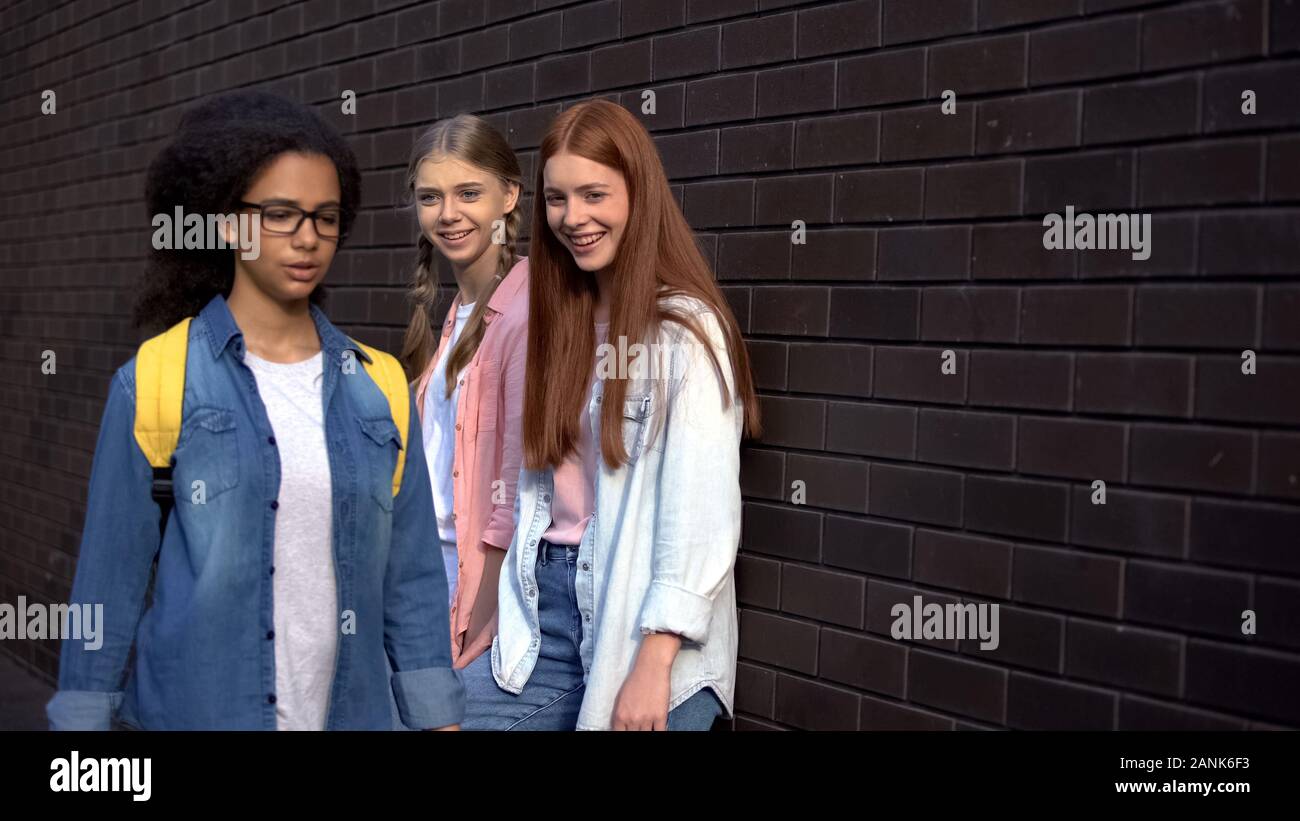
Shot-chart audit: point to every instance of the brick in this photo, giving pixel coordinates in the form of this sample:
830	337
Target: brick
1071	448
1202	32
796	423
840	484
720	204
871	430
1279	465
563	76
1067	580
838	369
1249	242
974	66
811	706
762	472
1278	604
1283	180
1093	181
1093	50
1182	457
966	439
962	314
796	89
622	65
646	16
849	140
1076	315
766	147
875	313
534	36
915	494
1137	713
1281	306
670	104
1202	174
779	641
1185	598
757	255
840	254
957	685
927	133
1223	392
826	596
1000	13
1026	638
1151	524
1284	26
1140	111
876	79
1015	507
1123	656
782	531
924	253
755	690
688	53
1132	384
1015	251
1272	83
905	21
1254	682
839	27
1197	316
1244	535
758	582
720	99
968	190
960	562
1030	123
882	195
863	662
689	155
1035	703
867	546
878	714
799	310
1019	379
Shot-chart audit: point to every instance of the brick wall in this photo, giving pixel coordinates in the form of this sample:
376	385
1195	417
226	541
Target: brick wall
924	235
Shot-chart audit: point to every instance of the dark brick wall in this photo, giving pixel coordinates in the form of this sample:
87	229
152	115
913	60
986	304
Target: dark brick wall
924	235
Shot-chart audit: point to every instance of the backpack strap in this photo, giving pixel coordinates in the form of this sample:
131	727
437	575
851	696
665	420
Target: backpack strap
387	373
159	394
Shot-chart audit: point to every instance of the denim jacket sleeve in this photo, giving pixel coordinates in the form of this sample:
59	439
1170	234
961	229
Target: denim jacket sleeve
698	514
417	632
118	544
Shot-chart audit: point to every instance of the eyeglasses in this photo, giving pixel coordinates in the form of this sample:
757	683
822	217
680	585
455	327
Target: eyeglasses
278	218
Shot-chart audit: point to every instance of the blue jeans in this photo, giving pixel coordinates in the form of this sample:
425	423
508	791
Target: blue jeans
553	695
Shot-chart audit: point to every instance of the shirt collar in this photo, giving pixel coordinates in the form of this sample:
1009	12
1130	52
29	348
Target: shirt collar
222	330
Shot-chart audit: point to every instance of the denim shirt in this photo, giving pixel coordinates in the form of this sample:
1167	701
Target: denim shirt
204	648
659	552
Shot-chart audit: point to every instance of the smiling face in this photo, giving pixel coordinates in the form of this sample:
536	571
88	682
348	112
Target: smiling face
290	267
456	205
586	208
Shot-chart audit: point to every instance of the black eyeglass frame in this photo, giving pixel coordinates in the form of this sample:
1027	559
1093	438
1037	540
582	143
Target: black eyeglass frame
303	214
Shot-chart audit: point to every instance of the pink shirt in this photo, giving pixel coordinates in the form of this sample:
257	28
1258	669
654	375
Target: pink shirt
489	445
575	477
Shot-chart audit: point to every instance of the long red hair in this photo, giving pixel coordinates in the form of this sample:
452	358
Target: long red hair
657	249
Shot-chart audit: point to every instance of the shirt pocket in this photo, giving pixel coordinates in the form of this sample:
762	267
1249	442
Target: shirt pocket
637	411
487	390
207	451
382	446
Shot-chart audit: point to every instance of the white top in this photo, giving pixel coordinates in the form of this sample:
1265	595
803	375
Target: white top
304	590
439	431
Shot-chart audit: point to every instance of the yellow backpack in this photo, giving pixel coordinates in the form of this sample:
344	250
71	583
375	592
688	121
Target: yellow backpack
160	392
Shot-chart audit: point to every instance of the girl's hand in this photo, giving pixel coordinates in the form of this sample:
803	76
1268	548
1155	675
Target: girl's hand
449	727
642	702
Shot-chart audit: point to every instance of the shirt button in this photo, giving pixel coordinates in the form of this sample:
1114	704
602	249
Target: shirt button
457	426
546	497
530	592
271	572
460	564
588	615
270	634
270	699
270	440
455	473
275	505
586	566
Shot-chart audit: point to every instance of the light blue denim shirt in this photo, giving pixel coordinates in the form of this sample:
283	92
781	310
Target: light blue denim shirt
205	655
658	555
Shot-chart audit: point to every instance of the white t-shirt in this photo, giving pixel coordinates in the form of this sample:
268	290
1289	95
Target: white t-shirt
439	431
304	587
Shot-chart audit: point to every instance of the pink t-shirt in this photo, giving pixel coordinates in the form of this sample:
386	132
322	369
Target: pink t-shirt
575	477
